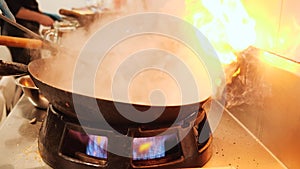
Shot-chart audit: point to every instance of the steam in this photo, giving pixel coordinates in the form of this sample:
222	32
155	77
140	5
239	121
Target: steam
118	71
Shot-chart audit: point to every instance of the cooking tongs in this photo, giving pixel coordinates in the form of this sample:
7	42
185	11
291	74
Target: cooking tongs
37	42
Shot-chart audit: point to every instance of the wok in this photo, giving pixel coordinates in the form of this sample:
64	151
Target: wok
55	83
46	75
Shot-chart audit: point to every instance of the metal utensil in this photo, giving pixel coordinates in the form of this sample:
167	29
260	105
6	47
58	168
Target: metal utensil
32	92
21	27
46	43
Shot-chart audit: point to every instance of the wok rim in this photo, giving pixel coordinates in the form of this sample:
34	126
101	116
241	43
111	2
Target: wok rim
43	60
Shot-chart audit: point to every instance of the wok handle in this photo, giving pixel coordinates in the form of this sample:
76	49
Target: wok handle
12	68
70	13
20	42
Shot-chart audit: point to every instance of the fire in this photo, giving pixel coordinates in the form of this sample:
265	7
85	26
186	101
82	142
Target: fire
149	147
231	28
97	146
145	147
98	140
277	26
226	24
280	62
27	84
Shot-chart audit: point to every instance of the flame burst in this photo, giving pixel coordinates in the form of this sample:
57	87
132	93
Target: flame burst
226	24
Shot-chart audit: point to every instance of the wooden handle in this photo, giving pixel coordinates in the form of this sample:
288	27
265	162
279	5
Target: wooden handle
70	13
12	68
20	42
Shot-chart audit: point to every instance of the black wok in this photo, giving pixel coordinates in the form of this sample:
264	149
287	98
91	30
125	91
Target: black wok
46	75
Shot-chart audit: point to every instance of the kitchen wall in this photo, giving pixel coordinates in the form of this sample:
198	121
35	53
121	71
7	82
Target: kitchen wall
53	6
277	25
275	119
171	6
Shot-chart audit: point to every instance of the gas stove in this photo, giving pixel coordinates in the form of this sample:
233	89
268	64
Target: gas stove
230	145
64	143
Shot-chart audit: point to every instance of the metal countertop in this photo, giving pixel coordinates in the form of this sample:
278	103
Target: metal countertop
233	145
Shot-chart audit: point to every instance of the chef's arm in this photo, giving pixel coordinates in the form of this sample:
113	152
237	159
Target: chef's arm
5	10
30	15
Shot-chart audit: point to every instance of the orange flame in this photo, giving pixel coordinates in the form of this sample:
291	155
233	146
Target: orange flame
280	62
226	24
145	147
277	26
273	26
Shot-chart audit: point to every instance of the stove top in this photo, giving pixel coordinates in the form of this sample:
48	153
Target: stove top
66	143
19	143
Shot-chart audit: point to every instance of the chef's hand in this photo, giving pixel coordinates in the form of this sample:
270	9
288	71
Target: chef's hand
53	16
31	15
5	10
45	20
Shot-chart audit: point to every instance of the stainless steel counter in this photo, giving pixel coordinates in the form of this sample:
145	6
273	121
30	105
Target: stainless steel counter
18	142
273	115
233	145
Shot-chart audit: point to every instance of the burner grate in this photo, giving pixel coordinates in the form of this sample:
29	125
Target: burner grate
64	143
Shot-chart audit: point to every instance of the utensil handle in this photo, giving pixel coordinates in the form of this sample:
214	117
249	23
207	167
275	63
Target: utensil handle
21	27
70	13
20	42
12	68
30	33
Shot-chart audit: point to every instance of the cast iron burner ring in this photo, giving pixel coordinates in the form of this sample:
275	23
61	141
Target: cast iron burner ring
63	143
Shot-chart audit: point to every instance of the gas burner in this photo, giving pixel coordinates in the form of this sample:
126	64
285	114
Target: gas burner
64	143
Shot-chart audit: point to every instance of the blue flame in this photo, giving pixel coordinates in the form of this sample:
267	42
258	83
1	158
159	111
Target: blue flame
155	150
97	146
